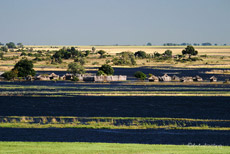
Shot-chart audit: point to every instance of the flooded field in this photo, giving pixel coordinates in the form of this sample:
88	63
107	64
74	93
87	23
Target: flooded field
92	106
118	112
178	137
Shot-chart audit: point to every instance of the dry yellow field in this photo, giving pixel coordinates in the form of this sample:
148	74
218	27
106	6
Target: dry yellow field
209	50
218	57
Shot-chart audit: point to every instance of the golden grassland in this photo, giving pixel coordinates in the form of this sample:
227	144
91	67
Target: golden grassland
209	50
215	57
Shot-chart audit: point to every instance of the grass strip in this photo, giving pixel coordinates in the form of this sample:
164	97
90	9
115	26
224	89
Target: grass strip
113	123
108	148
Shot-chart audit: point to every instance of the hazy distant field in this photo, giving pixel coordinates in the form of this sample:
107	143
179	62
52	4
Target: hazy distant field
209	50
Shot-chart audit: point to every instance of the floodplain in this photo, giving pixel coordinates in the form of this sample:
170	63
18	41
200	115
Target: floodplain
178	117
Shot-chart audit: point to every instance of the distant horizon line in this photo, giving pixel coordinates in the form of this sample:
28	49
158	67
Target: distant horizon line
121	45
164	44
52	45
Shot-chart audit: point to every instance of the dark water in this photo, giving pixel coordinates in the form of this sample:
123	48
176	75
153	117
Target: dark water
117	106
177	137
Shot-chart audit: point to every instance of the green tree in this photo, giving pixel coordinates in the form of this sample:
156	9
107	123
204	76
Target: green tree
87	52
189	50
99	73
20	45
102	53
81	60
149	44
140	75
4	48
74	52
66	54
23	53
75	68
1	55
107	69
24	68
10	74
57	57
11	45
125	58
140	54
75	78
107	61
93	49
156	54
168	53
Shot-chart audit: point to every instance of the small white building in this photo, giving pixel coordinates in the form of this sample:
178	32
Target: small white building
213	79
153	78
165	77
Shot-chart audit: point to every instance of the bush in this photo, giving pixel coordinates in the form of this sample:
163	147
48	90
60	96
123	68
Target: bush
4	48
93	49
30	54
11	45
81	60
1	55
126	58
150	74
38	59
168	53
75	78
99	73
156	54
107	69
190	51
102	53
95	63
204	56
140	75
107	61
140	54
24	68
10	75
195	59
75	68
10	58
87	52
23	54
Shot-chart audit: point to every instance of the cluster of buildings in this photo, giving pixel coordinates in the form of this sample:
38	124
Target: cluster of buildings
92	78
168	78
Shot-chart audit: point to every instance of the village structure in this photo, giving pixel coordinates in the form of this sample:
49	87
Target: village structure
114	78
167	78
89	78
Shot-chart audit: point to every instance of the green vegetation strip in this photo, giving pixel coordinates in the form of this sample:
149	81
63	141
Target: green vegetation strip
108	148
117	88
115	93
113	123
124	90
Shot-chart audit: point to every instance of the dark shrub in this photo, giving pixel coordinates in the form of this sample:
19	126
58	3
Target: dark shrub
140	75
